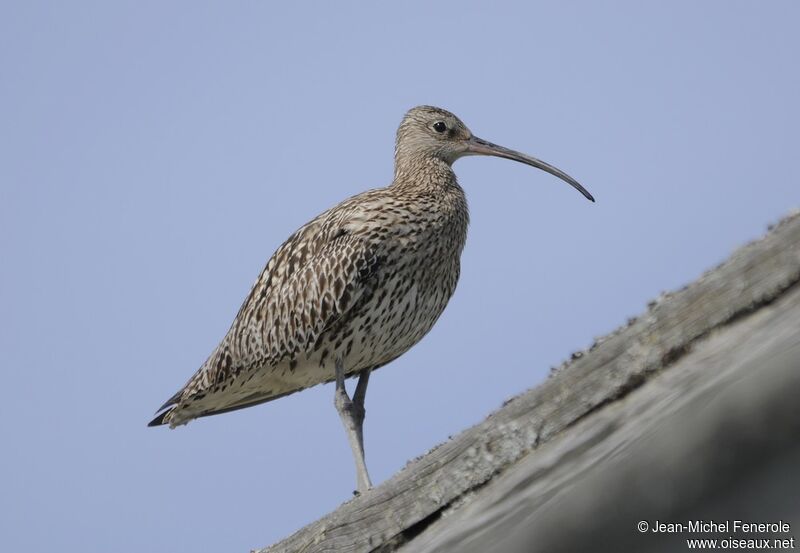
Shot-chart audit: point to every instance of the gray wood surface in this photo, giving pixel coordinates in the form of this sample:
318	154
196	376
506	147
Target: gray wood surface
455	476
714	437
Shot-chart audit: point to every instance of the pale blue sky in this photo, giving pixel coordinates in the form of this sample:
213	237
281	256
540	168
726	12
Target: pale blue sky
154	154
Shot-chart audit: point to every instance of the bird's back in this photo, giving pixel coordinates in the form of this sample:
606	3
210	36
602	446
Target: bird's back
362	282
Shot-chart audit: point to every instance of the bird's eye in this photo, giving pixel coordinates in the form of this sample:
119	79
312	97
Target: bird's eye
439	126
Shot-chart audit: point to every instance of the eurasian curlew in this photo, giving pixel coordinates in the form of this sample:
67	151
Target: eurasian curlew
353	289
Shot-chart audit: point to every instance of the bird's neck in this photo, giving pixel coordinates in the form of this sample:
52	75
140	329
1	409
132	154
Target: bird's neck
424	174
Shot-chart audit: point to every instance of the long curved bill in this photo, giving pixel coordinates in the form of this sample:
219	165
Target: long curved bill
479	146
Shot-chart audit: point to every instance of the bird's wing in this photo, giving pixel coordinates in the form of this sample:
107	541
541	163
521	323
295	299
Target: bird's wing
307	286
310	286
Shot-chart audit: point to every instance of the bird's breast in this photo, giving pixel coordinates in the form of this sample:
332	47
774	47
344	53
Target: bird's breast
417	276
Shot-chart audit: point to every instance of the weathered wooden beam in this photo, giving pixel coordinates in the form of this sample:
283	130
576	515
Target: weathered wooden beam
399	509
715	437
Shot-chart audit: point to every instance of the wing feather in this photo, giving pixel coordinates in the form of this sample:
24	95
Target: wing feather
307	287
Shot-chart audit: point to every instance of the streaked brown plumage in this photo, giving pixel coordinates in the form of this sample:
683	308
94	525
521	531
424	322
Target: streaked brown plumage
356	287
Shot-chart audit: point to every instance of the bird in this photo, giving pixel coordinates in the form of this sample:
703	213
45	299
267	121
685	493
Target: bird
354	288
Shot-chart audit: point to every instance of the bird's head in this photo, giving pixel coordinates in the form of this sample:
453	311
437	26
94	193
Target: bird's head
427	131
431	132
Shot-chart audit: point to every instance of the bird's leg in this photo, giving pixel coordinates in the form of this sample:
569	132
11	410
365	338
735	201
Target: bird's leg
352	414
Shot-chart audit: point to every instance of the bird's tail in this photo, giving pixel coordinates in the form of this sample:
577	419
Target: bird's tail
164	413
161	418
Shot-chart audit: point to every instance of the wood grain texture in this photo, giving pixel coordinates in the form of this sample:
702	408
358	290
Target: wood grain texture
714	437
457	471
